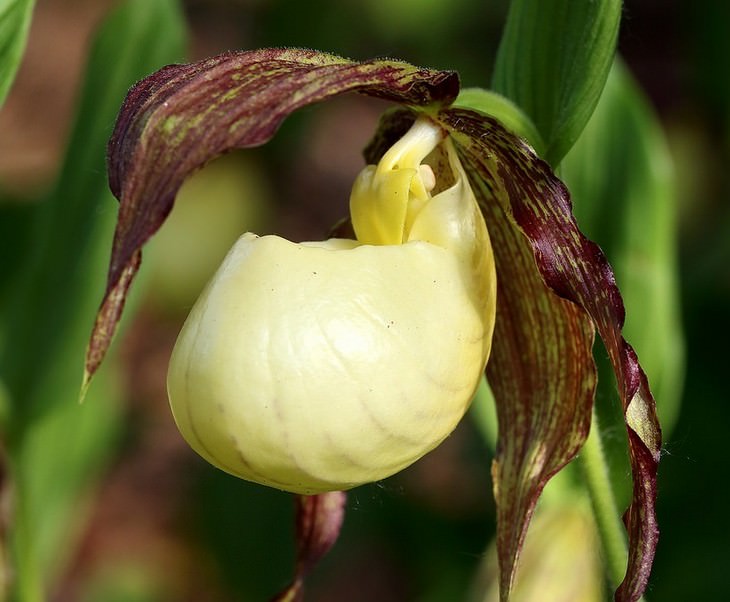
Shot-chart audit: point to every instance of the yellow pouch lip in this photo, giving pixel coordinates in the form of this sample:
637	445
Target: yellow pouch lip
396	335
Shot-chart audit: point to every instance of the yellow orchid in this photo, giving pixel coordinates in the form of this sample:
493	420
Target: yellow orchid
303	366
314	367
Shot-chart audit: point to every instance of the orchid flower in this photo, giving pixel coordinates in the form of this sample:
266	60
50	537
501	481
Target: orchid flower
303	366
314	367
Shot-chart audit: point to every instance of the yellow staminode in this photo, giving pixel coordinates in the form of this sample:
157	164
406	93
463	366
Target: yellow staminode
324	365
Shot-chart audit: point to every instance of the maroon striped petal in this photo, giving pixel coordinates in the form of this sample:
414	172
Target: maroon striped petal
541	367
318	520
543	378
182	116
527	207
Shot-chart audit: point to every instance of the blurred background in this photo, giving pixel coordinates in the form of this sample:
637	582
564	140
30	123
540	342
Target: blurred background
156	522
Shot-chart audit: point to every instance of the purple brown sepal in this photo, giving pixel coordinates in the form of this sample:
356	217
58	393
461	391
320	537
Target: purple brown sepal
535	204
555	286
182	116
541	367
318	523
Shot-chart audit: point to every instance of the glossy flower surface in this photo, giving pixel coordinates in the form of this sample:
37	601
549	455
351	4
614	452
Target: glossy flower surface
323	365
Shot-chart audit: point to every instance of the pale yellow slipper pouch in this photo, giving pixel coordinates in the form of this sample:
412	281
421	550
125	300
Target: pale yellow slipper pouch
323	365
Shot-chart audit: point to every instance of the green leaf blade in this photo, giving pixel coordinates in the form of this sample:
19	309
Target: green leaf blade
71	225
15	17
50	299
557	84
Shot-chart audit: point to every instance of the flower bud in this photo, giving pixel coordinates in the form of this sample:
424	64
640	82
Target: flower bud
323	365
560	559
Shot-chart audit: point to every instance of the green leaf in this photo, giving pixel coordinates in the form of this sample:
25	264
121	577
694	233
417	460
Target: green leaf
61	456
53	296
622	183
15	17
55	446
179	118
553	61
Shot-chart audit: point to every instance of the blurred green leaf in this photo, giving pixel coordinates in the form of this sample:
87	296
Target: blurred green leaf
56	295
15	16
553	61
55	446
53	472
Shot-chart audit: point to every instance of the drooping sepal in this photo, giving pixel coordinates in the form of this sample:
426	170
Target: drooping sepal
541	368
536	206
182	116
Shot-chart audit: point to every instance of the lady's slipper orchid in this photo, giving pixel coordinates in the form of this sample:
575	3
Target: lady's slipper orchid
304	366
421	264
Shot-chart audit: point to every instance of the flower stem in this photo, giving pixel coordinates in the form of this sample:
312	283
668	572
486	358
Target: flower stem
610	528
